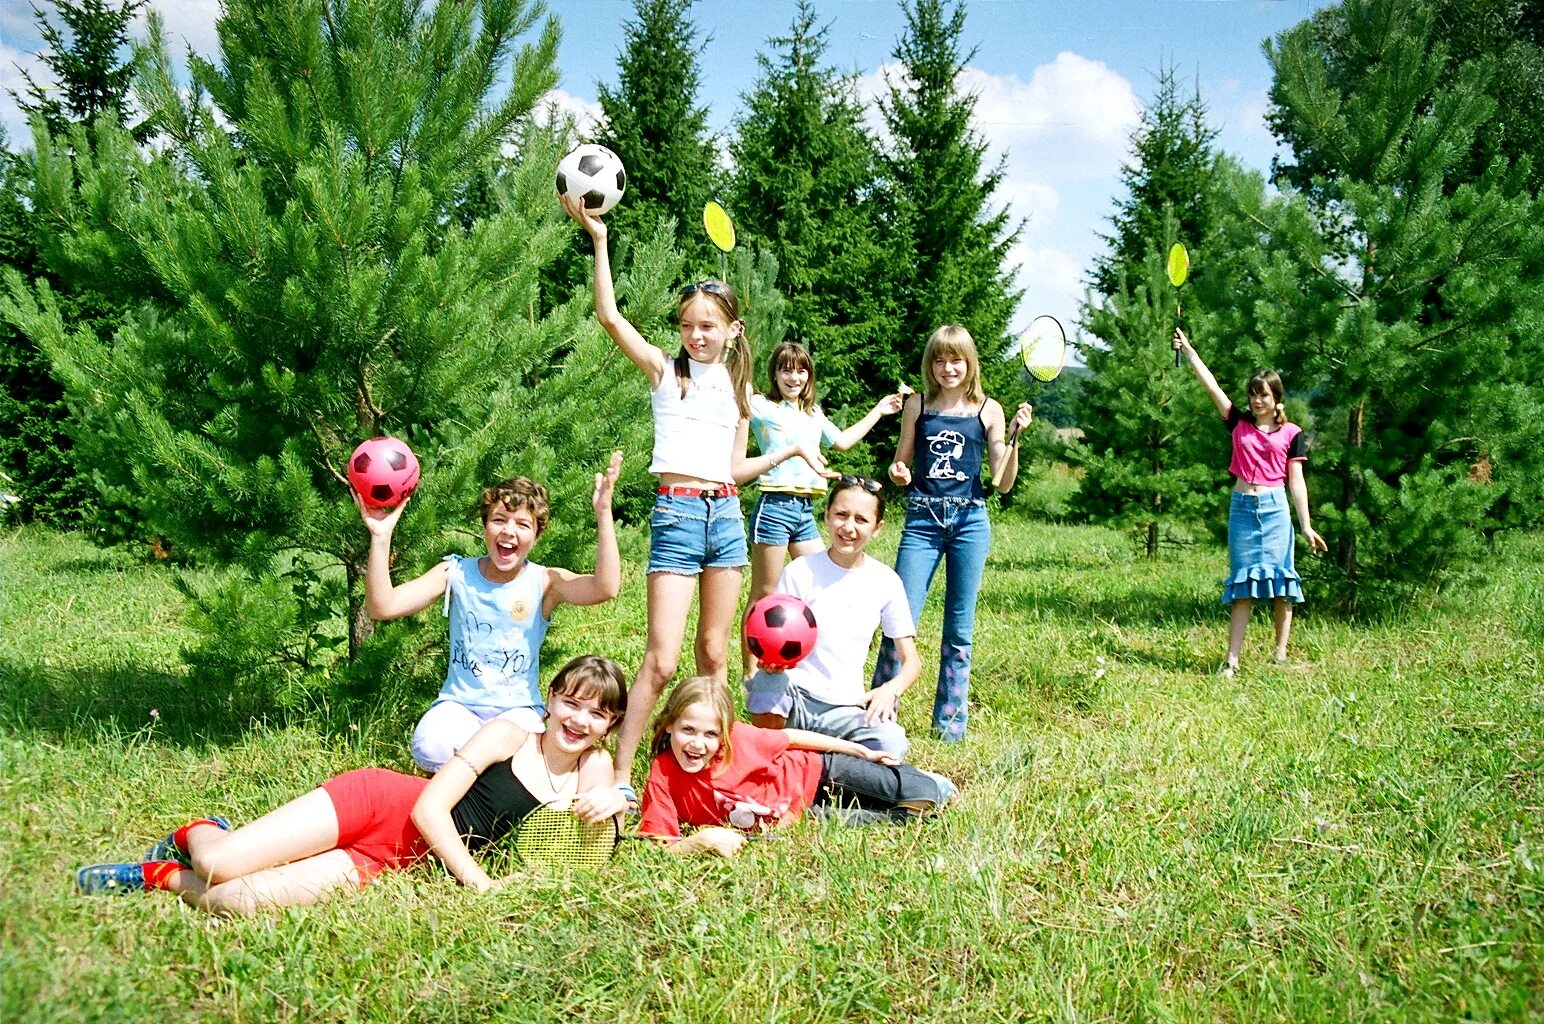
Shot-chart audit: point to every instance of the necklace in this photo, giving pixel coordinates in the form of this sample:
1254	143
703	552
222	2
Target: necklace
552	783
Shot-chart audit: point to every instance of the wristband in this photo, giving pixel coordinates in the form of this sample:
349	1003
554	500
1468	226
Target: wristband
628	792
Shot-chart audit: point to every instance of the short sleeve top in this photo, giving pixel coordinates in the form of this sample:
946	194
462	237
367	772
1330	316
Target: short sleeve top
1260	456
762	775
781	425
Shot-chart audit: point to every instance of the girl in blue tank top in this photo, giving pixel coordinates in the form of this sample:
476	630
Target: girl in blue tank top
949	434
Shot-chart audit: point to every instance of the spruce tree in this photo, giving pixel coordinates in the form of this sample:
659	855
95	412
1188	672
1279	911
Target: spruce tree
1427	350
84	57
805	170
653	120
1149	433
308	281
949	241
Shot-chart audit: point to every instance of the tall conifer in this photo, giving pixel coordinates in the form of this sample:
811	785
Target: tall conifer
950	241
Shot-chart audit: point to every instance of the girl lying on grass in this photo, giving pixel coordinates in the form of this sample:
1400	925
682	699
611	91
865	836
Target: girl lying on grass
353	826
712	771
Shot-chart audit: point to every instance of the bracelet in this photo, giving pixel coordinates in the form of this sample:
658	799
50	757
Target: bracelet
458	756
627	792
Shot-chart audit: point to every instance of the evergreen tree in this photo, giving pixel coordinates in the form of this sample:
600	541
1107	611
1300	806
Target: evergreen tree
92	80
653	121
86	58
1148	440
310	283
804	173
949	243
1407	296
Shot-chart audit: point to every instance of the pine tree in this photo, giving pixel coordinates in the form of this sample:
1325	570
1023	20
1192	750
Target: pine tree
653	120
949	242
1435	272
1149	437
308	282
804	172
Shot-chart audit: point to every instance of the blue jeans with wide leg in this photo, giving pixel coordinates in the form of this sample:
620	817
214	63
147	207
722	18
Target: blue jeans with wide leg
957	532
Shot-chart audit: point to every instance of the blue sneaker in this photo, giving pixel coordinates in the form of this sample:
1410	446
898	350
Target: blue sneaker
167	849
110	878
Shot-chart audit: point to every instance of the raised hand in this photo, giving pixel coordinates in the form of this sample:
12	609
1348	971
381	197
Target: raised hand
606	484
379	521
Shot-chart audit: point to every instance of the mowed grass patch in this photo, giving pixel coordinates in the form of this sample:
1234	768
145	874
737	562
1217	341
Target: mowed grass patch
1353	836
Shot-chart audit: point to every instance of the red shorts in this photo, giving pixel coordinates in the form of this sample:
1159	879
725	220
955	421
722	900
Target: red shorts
375	819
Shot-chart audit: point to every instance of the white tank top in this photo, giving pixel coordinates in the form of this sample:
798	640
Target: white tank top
694	436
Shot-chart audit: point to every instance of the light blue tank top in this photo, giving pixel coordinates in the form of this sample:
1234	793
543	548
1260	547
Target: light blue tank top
496	630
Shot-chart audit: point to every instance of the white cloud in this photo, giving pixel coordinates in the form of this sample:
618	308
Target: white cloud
12	63
187	23
555	105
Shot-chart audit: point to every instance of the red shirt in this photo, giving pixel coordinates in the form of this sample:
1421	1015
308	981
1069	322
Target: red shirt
762	771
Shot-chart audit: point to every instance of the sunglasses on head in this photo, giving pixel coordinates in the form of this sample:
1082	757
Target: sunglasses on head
711	287
868	483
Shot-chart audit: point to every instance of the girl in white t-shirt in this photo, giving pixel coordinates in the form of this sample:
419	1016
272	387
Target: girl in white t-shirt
851	594
701	403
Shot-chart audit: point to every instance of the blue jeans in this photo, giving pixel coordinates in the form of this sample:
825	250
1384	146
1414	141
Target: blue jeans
958	532
771	693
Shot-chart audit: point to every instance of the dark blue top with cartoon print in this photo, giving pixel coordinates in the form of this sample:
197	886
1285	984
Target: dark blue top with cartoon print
947	458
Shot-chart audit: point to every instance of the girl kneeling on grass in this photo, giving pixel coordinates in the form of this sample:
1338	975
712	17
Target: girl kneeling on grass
362	822
710	770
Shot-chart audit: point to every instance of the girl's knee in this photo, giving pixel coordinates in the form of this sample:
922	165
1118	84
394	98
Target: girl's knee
659	667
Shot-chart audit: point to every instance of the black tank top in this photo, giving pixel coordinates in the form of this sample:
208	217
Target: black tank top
495	804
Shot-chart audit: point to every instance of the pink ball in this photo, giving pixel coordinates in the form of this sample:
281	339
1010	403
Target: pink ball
780	631
384	471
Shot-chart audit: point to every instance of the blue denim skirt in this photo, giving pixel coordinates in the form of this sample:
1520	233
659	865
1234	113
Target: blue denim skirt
1260	547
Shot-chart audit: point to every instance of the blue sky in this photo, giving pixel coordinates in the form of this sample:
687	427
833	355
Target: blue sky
1059	86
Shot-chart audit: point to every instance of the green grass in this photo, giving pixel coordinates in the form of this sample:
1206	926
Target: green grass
1356	836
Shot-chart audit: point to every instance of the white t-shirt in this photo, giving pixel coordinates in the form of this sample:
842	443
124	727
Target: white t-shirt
848	604
694	436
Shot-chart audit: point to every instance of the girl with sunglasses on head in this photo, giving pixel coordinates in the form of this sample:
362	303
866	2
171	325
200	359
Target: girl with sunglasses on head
951	432
701	403
851	595
783	521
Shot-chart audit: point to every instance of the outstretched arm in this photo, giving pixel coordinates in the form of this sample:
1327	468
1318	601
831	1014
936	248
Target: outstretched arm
1219	397
746	468
494	742
803	739
383	601
886	406
634	346
605	583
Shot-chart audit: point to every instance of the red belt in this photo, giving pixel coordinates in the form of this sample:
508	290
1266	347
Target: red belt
727	491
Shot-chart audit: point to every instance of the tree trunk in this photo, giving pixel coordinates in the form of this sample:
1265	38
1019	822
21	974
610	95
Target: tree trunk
1152	540
359	625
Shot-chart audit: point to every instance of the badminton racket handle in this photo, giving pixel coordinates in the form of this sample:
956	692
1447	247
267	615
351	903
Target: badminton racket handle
1177	318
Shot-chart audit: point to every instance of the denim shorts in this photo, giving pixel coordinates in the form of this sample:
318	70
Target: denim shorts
688	535
782	518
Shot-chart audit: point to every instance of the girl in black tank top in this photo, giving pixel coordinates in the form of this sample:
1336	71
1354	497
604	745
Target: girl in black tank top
337	836
949	435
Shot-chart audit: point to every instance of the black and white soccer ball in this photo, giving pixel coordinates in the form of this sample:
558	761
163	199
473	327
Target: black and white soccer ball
593	177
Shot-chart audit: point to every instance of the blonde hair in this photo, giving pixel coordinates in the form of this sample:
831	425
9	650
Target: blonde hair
736	350
949	341
792	355
1268	382
696	690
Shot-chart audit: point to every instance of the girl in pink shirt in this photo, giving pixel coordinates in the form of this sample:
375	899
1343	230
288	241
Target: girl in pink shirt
1267	466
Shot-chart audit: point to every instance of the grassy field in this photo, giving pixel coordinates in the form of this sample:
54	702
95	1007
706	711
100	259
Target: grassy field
1356	836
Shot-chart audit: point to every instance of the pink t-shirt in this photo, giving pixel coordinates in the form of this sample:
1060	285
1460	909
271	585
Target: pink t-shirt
762	772
1261	457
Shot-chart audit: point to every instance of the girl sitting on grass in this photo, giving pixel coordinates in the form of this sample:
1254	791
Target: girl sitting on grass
355	825
712	771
